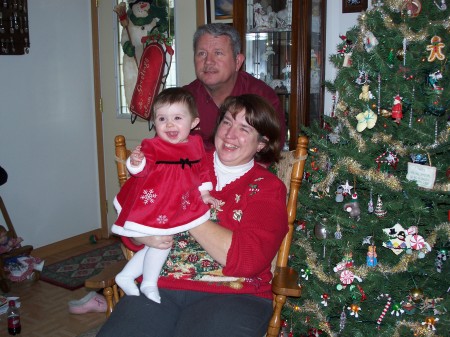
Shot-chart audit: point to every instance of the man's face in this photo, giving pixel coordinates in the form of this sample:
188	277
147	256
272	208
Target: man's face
215	64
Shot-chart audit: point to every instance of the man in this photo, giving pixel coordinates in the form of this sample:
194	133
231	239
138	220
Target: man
217	61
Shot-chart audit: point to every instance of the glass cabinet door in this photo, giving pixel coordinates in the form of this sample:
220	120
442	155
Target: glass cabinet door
283	47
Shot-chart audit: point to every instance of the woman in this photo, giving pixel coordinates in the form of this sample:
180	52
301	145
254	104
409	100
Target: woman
216	279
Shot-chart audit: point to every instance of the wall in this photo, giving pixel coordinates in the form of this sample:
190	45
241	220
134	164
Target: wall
47	129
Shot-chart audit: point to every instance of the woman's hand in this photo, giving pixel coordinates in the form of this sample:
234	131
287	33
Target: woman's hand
155	241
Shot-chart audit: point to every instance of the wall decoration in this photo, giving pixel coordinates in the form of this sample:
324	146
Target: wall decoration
14	34
353	6
219	11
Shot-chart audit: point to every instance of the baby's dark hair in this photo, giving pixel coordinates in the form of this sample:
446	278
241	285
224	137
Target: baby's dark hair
260	114
175	95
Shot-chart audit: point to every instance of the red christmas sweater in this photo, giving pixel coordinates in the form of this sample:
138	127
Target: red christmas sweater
254	208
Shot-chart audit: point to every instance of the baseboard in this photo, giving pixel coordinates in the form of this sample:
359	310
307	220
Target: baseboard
66	244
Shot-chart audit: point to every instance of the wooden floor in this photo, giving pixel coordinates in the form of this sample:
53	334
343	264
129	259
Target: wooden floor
44	307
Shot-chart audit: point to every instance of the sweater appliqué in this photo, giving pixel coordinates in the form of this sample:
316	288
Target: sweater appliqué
237	214
214	212
254	188
188	260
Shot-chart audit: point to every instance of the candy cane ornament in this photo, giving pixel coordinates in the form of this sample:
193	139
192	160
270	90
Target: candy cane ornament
385	309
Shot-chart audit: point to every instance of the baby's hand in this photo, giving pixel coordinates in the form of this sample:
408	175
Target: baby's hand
208	199
136	156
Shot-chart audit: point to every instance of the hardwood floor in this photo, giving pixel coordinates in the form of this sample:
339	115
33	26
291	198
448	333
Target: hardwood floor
44	307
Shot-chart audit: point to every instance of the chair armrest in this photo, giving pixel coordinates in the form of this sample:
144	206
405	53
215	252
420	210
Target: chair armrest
285	282
25	250
106	278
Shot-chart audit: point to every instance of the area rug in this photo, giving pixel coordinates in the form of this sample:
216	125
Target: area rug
72	272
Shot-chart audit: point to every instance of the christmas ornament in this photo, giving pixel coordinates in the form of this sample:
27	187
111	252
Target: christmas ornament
442	6
342	320
435	49
441	257
338	233
365	94
354	309
412	7
339	196
379	211
305	273
397	113
371	256
409	308
387	157
325	298
417	242
353	207
370	41
430	322
366	119
433	78
385	309
346	189
346	262
346	277
370	203
363	77
320	231
416	294
397	309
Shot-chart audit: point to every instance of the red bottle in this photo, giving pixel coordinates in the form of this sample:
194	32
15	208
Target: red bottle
13	315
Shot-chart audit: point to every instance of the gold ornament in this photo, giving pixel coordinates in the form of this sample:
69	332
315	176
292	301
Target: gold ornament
416	294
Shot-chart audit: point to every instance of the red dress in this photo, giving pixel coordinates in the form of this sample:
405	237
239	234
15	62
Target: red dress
164	198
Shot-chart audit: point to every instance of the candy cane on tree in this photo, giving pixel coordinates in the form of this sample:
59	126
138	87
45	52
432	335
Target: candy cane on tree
385	309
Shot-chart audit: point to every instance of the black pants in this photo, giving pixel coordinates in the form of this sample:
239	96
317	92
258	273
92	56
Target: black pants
189	314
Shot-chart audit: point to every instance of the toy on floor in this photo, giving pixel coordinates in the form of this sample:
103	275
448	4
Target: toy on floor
6	243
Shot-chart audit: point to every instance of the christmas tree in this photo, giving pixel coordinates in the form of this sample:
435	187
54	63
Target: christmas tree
373	235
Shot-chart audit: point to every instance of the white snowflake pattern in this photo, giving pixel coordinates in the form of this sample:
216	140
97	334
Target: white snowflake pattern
148	196
162	219
237	198
185	201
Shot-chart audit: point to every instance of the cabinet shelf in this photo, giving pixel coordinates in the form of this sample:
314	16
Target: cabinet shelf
283	42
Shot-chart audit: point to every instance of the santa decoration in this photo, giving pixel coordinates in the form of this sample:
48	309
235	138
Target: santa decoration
397	113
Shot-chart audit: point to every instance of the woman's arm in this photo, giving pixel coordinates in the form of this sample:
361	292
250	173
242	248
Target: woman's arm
215	239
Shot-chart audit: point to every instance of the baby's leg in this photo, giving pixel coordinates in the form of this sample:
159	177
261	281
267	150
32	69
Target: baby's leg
132	270
153	262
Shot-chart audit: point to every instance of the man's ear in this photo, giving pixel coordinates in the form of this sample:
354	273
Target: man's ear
195	122
240	58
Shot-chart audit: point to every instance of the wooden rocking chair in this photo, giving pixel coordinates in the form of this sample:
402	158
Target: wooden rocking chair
285	279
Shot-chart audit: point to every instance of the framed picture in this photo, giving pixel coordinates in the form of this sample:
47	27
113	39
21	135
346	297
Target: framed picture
353	6
219	11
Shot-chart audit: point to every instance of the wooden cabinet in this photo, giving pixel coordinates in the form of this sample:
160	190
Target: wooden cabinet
284	43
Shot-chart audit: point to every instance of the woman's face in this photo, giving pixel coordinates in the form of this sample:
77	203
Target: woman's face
236	141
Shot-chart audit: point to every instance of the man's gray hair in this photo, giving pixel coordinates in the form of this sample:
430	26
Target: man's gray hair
220	29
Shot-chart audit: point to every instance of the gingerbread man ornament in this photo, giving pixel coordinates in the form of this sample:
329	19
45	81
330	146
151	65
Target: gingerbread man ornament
435	49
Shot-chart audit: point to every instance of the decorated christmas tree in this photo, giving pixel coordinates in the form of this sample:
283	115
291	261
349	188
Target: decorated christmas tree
373	236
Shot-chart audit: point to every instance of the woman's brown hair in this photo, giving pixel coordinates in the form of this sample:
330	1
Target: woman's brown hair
260	114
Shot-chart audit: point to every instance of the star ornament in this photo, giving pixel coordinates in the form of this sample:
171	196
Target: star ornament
346	189
366	119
